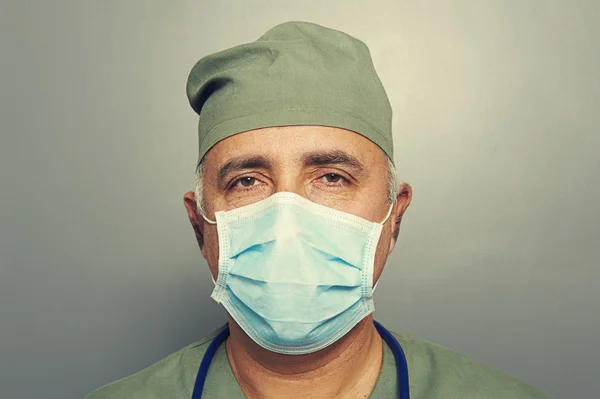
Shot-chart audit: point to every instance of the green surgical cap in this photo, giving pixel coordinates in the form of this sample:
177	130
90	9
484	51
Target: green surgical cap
297	73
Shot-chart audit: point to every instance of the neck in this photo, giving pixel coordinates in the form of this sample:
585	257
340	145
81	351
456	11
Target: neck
348	368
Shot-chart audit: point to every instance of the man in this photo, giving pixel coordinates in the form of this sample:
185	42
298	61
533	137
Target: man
296	208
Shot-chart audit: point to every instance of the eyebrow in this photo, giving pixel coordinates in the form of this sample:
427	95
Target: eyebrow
335	157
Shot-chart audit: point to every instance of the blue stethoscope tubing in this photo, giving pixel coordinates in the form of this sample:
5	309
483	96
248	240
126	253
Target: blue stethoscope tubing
401	366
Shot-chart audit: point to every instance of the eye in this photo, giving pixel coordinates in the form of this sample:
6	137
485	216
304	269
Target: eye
244	182
333	178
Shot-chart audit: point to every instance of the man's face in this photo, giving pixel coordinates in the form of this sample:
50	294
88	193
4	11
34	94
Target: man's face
333	167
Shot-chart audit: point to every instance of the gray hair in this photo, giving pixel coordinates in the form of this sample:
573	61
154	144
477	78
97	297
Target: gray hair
392	178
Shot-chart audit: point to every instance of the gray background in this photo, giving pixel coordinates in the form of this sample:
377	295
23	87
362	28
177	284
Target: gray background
496	127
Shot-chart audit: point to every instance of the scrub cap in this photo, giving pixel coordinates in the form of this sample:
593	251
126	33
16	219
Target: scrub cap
297	73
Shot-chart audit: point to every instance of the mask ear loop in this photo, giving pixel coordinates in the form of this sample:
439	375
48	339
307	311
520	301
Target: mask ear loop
375	286
208	220
384	220
386	216
211	222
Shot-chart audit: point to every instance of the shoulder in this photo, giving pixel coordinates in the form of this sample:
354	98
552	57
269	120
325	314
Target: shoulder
171	377
438	372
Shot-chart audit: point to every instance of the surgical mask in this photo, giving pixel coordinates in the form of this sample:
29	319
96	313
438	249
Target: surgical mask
295	275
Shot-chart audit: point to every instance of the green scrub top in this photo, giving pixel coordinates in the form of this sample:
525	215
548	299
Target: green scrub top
434	373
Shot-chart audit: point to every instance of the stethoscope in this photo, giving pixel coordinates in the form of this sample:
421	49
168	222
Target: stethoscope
401	366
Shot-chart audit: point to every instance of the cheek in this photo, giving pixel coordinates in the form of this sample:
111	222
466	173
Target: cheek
211	251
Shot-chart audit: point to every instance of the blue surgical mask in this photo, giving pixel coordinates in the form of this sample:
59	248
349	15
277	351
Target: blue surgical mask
295	275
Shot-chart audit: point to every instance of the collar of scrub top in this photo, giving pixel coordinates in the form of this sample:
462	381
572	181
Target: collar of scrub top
401	366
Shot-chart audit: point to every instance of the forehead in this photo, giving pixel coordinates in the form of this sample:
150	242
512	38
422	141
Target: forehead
289	143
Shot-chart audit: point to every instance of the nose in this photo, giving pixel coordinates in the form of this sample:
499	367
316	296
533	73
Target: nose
290	184
288	178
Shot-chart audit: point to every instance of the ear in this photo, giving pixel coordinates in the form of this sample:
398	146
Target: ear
402	202
197	221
